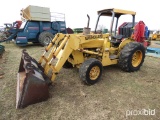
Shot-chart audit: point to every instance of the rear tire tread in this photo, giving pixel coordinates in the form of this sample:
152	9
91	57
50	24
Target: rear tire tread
125	57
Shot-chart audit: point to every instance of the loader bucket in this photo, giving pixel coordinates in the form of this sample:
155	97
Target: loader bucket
32	83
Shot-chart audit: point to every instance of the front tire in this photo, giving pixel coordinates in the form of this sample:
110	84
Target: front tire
132	57
90	71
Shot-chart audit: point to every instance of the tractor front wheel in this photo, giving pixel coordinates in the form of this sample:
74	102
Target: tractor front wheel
90	71
132	57
45	38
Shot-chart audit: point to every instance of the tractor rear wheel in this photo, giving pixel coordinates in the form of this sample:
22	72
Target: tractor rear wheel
91	71
45	38
132	57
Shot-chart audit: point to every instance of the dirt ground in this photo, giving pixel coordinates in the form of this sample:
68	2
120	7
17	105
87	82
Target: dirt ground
113	98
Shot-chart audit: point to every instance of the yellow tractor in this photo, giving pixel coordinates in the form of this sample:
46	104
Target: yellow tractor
155	36
88	52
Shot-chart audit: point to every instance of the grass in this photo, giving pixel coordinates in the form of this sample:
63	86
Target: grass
71	99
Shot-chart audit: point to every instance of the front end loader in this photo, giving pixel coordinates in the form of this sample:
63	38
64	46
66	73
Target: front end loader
88	52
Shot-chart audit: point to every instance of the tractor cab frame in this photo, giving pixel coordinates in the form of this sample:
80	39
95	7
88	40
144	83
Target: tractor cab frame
115	13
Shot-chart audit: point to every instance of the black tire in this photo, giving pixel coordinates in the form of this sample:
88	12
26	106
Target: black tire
45	38
128	61
85	69
67	65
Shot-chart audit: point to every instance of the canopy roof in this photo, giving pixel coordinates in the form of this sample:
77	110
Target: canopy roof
117	12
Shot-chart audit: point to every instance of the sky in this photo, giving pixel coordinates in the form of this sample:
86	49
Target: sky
76	11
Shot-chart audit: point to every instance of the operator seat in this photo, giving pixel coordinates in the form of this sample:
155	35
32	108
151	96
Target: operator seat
116	40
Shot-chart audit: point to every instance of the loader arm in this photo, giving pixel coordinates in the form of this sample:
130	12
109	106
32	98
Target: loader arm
60	47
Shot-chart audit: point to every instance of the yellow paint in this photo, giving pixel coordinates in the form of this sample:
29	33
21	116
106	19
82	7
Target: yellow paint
106	54
137	58
78	57
76	49
155	36
94	72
